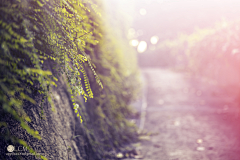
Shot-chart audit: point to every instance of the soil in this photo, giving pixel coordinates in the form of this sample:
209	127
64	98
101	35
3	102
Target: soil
188	118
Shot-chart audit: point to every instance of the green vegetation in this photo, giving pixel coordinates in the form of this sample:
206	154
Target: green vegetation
210	52
36	34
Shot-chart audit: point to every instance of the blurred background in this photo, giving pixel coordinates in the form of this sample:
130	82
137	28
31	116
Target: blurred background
188	52
197	35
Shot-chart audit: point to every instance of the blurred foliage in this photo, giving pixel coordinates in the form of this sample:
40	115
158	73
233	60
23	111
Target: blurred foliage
116	65
210	52
66	33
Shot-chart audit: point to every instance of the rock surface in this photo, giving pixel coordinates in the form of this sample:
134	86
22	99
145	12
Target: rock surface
56	128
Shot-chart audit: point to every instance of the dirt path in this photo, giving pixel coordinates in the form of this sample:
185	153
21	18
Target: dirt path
191	119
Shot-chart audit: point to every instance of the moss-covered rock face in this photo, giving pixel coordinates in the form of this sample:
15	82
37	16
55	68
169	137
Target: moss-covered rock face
62	134
64	88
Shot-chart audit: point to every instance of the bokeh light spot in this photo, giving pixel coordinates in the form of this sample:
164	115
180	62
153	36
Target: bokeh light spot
154	39
142	47
134	43
143	11
131	33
